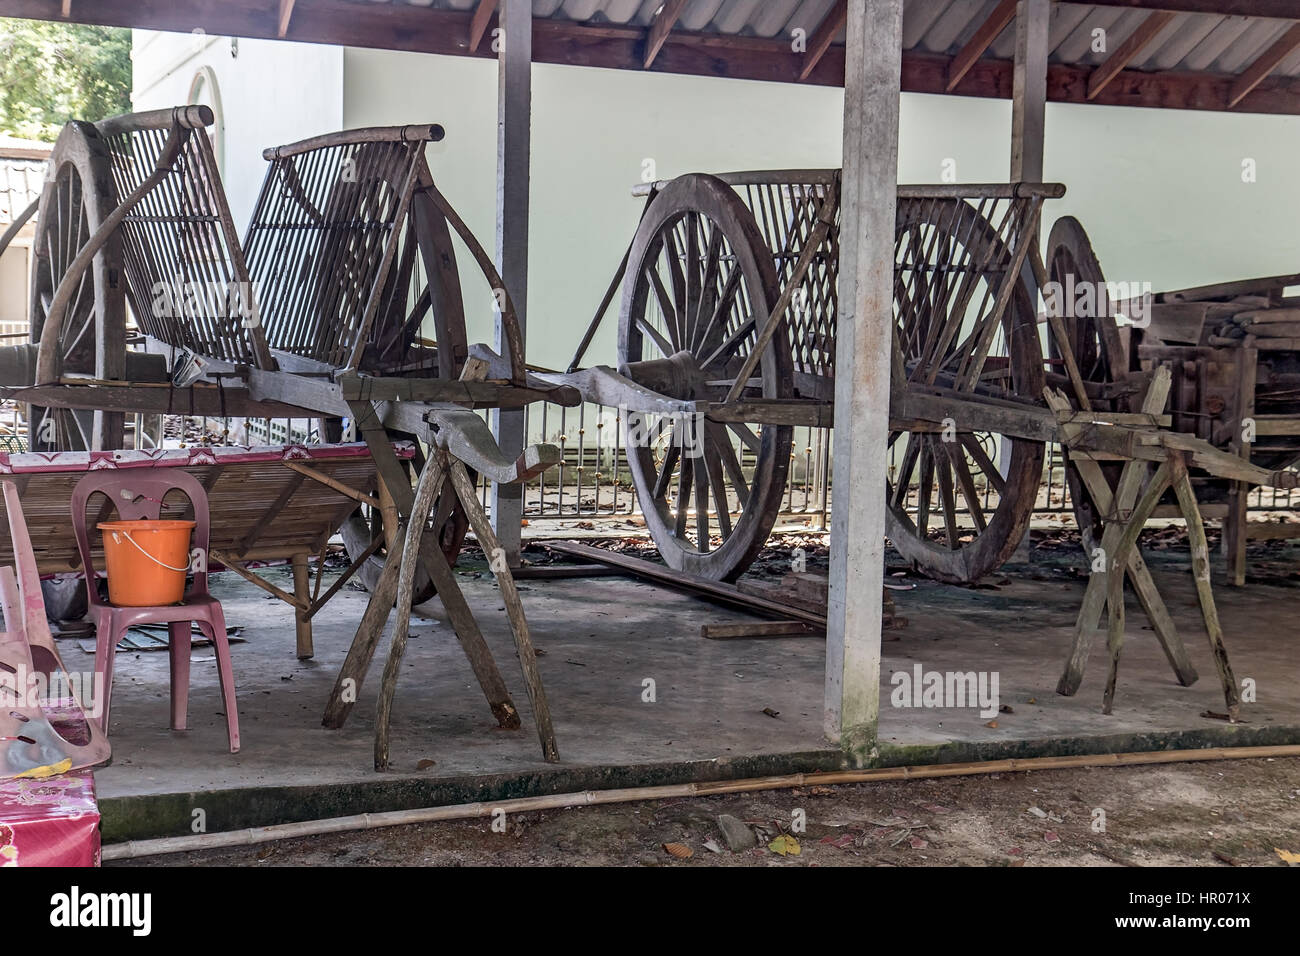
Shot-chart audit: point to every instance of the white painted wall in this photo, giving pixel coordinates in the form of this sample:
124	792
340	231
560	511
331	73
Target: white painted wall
1160	191
271	93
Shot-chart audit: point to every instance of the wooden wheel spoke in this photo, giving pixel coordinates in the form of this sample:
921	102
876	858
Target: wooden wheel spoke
730	463
986	466
731	344
708	289
665	476
924	488
911	454
966	482
666	307
662	344
943	470
720	308
746	435
713	465
700	468
673	257
684	479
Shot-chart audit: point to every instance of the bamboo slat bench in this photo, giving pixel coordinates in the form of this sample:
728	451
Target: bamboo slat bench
268	504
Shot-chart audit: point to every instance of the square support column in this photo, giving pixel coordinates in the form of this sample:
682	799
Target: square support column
1029	91
514	134
873	67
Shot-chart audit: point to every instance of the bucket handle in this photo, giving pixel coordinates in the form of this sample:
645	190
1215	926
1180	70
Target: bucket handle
127	535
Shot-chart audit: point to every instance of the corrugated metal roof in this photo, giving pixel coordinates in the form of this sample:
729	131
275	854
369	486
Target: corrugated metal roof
21	182
1194	42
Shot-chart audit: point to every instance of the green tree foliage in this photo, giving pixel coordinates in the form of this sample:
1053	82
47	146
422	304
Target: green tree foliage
53	72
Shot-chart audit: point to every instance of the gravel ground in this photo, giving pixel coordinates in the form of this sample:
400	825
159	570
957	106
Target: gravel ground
1217	813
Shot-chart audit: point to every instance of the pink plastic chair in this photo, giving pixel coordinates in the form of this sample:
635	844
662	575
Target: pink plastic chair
138	494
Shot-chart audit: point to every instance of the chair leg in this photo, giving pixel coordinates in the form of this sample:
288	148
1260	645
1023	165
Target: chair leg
107	634
179	650
215	627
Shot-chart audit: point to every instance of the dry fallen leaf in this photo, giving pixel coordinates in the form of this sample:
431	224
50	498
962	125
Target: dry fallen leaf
1289	857
679	850
993	724
785	845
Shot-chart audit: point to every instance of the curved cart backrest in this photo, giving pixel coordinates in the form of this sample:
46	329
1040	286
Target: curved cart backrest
186	279
349	254
951	236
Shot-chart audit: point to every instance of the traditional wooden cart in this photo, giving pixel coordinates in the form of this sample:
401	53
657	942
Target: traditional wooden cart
726	342
321	313
1233	352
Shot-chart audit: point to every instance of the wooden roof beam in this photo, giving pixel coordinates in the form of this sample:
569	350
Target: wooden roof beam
824	36
983	38
286	12
1275	9
478	24
1128	51
664	21
1266	63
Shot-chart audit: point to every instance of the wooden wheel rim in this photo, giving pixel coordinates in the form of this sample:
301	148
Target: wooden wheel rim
958	223
727	240
1094	341
73	204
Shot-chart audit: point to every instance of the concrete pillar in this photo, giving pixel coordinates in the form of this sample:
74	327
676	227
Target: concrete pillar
873	65
514	120
1029	91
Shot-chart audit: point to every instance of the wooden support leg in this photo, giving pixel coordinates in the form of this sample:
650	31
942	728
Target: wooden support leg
1114	630
1162	623
347	686
1201	573
1118	541
1140	577
1234	525
430	482
302	623
439	571
514	607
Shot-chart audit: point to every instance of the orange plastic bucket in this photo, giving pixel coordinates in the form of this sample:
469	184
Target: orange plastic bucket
146	561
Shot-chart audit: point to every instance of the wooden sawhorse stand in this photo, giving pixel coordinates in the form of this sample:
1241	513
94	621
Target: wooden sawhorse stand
457	437
1126	512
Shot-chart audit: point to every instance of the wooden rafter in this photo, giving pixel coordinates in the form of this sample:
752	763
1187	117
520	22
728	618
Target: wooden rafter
663	24
1138	41
286	11
825	35
1277	9
66	10
478	24
1264	64
982	39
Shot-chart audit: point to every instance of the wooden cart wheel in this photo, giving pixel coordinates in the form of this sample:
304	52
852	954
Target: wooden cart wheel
948	254
1093	340
700	281
78	196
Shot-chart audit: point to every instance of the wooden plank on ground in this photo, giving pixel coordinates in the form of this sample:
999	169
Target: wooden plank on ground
712	590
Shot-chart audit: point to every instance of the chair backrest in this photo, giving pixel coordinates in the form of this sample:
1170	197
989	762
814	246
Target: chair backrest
140	494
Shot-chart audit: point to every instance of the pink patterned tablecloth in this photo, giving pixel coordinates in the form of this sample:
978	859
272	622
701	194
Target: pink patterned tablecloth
52	822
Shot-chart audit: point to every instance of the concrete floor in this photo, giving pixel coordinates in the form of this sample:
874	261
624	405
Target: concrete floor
720	708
